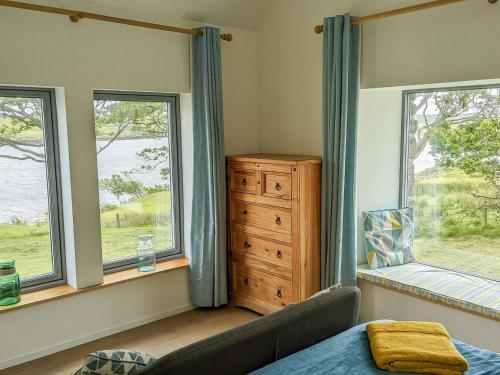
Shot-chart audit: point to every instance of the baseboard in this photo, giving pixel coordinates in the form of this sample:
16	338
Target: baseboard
91	337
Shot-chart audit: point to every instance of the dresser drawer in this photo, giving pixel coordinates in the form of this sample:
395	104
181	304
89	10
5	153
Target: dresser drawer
261	285
276	185
271	251
243	180
270	218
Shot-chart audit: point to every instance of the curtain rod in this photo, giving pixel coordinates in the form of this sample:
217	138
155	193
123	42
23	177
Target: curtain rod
75	16
318	29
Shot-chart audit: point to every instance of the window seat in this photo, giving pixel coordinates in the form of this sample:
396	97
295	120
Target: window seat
462	291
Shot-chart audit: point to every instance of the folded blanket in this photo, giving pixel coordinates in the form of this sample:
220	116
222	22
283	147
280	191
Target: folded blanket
415	347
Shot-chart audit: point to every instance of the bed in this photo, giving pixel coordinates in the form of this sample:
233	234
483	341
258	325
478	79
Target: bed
349	353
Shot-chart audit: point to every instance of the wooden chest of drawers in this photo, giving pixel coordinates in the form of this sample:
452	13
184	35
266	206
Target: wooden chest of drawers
274	229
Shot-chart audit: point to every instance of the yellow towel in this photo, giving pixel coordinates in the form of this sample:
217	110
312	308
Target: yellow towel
415	347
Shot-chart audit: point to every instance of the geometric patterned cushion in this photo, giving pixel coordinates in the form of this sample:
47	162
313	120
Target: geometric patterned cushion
324	291
111	362
389	237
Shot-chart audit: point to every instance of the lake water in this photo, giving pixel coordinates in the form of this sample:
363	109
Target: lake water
23	191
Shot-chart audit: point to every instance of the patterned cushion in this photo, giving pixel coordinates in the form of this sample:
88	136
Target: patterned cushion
327	290
389	237
116	361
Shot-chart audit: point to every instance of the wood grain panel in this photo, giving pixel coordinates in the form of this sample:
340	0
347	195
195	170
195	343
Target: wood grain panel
268	217
262	285
244	181
267	253
259	199
276	159
276	185
270	251
261	232
310	228
255	262
274	167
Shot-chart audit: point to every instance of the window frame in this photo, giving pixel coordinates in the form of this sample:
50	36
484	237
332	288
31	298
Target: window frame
403	173
405	157
174	142
54	190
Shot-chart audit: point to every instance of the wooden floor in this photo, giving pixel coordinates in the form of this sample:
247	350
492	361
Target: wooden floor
156	338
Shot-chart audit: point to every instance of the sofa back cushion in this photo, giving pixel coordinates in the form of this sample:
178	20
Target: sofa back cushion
315	320
264	340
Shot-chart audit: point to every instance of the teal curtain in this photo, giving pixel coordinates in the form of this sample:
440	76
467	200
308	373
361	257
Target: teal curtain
208	282
340	98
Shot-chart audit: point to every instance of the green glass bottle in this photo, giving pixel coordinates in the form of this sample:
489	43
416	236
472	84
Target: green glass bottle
10	286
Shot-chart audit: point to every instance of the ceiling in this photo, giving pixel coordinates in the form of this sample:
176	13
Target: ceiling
243	14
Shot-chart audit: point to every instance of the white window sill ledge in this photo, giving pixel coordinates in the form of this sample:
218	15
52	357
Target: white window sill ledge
450	288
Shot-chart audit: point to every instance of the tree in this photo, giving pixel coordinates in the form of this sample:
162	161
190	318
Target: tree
474	148
22	116
119	187
428	110
116	119
21	129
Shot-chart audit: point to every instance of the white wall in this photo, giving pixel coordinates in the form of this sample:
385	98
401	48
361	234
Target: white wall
47	328
455	43
48	50
378	154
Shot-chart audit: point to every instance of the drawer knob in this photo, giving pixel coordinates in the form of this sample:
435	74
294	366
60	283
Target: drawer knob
278	293
278	220
245	281
244	182
246	245
245	212
277	187
279	254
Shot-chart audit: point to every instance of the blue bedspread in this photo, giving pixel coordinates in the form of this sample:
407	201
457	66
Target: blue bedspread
349	353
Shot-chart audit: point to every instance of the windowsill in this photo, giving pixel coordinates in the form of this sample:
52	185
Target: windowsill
62	291
449	288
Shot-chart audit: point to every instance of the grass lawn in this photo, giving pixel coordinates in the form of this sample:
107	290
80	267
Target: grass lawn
139	216
29	244
475	254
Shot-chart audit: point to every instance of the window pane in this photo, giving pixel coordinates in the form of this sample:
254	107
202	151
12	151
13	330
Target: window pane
453	178
134	165
24	206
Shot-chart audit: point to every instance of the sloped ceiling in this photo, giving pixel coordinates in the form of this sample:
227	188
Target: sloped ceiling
243	14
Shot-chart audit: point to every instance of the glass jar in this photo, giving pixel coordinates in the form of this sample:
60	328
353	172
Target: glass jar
10	285
146	255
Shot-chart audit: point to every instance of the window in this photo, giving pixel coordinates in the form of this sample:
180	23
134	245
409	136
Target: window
139	167
451	176
31	230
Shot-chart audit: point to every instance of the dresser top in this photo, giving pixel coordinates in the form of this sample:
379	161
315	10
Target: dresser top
276	158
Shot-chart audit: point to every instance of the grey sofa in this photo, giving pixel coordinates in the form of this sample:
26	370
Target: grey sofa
267	339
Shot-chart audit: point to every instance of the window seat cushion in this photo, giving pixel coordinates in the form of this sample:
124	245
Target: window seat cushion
466	292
